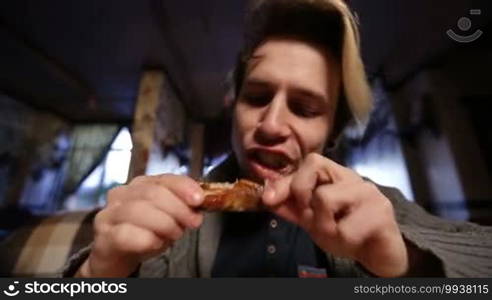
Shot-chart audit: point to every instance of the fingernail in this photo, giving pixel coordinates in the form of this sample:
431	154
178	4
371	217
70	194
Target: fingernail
196	198
268	193
197	221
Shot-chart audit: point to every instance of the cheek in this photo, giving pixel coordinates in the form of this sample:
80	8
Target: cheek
313	138
240	124
243	120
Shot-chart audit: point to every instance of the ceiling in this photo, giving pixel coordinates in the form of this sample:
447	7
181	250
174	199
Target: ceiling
83	59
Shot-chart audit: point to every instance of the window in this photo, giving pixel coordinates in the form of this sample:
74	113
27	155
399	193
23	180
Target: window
111	172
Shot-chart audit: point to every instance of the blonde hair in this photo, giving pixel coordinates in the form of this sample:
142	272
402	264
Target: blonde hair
326	22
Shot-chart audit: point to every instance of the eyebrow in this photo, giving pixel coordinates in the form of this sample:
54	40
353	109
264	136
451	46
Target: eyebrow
253	82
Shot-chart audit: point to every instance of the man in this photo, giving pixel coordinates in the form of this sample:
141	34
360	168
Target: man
299	75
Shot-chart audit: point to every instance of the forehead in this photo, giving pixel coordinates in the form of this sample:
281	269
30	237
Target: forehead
284	61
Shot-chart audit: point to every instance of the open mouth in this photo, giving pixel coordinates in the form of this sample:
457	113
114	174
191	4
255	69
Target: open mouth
268	164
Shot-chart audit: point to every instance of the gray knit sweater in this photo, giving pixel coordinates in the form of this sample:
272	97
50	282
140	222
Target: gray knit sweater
439	247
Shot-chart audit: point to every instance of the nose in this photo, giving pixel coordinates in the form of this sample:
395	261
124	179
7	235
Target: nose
273	127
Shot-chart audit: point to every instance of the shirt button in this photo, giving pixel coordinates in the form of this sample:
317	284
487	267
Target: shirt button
271	249
273	223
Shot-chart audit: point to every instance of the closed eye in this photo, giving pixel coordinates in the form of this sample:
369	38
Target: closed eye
304	110
257	92
256	99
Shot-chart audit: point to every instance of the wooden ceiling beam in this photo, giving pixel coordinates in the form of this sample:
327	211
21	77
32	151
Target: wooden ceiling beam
145	121
53	65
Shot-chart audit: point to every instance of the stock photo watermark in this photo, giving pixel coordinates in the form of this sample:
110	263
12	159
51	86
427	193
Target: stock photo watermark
465	24
67	288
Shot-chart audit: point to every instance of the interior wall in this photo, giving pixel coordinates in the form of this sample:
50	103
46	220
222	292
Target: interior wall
27	140
448	165
378	154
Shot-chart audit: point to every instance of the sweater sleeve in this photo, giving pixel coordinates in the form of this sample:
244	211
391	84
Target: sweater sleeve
461	249
75	261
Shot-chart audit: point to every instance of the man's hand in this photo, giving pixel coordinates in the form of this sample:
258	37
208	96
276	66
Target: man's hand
344	215
141	219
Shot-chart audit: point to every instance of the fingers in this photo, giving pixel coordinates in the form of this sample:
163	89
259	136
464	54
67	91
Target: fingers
276	192
183	187
298	186
318	170
349	216
288	211
338	199
327	169
160	197
373	214
144	215
343	214
304	182
142	218
327	204
169	203
131	238
314	171
132	242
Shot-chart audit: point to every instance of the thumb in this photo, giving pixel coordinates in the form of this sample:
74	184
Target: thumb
276	191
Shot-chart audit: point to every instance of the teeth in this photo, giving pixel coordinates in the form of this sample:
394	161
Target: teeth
272	160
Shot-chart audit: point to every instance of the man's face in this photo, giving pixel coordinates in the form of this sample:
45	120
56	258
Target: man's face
286	107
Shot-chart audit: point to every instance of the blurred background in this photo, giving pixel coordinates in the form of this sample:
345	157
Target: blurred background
94	92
